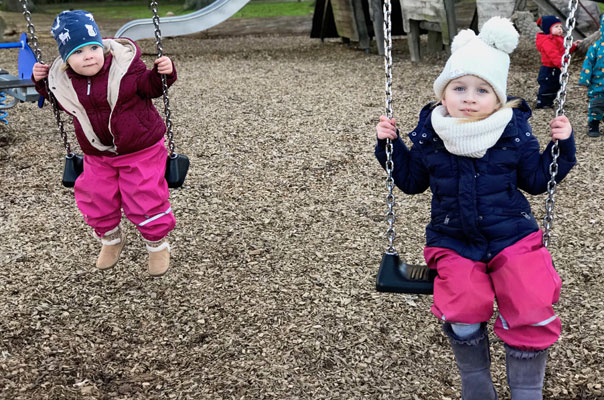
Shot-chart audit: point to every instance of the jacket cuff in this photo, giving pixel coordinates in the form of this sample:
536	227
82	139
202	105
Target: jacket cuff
382	142
170	79
567	147
40	87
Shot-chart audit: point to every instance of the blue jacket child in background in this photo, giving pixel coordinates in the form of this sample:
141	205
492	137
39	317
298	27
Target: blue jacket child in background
475	151
592	76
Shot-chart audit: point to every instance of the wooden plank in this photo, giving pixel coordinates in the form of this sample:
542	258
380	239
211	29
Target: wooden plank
377	17
430	26
361	24
344	18
435	42
422	10
449	33
428	10
413	41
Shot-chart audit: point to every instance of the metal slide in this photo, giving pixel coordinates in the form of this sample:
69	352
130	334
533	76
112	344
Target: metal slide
197	21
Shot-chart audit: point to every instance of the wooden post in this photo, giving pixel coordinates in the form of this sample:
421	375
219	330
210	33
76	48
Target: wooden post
324	20
451	30
377	17
435	42
345	19
413	40
361	23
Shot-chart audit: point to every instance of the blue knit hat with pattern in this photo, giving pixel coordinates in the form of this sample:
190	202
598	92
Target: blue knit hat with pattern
75	29
547	22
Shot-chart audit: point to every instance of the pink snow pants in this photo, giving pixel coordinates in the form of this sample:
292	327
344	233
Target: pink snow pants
133	182
521	277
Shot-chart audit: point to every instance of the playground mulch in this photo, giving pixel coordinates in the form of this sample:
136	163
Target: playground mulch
279	236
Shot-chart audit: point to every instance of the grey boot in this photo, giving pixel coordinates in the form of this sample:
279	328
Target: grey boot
473	359
526	370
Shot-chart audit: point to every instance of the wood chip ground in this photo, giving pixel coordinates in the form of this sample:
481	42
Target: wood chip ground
279	235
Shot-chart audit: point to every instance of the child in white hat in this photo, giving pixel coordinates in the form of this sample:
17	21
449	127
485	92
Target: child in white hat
476	152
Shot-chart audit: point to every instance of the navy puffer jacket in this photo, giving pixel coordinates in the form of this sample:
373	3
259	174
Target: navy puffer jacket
477	206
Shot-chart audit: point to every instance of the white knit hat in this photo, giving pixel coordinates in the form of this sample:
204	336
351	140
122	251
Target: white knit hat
485	56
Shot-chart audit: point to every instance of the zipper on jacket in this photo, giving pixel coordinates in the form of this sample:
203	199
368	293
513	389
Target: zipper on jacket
446	220
88	90
525	215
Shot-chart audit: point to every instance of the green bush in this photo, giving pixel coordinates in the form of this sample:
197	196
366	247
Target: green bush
196	4
15	5
140	9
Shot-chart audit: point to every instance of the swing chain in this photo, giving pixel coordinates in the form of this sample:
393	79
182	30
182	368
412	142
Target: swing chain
390	216
31	30
57	114
38	54
568	43
560	98
160	52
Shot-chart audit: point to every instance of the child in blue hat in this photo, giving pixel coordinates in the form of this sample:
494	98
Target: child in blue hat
108	90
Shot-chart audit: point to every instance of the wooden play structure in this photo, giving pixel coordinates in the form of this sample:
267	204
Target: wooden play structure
353	21
361	20
437	17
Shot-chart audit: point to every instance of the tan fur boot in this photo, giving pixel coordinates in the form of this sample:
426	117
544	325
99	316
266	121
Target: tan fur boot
113	243
159	257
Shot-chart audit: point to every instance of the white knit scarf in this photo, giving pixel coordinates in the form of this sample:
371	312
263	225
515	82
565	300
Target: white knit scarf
470	139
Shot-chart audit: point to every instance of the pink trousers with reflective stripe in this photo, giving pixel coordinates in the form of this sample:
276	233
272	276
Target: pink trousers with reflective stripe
133	182
522	279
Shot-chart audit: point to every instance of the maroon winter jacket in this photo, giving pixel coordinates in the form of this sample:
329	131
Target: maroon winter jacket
113	111
551	48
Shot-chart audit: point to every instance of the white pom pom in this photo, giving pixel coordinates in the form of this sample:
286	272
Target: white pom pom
500	33
461	39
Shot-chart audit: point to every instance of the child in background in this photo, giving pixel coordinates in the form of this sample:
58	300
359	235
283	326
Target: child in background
550	44
475	151
106	87
592	76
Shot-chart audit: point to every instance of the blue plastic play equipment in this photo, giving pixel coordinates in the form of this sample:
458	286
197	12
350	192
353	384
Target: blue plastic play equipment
20	88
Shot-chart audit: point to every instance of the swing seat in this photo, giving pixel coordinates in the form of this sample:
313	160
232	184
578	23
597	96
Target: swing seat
74	165
395	276
177	166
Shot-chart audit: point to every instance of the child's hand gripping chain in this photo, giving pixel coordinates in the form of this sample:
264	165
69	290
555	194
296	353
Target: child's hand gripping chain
40	71
164	65
386	128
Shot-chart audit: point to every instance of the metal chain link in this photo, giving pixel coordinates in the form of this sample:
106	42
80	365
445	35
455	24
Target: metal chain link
390	216
38	54
32	31
560	98
160	52
60	124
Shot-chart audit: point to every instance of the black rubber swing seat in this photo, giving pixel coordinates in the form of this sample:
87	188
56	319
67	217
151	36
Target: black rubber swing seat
396	276
177	166
74	165
176	169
